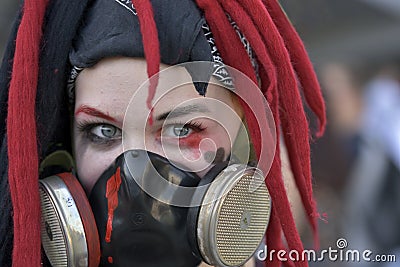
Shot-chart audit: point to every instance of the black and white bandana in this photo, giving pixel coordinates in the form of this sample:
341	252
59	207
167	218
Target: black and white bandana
128	5
183	33
220	72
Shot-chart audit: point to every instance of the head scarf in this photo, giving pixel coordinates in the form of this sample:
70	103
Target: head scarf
111	28
33	98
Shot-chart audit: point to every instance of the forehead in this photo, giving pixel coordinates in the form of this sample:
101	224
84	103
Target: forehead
115	82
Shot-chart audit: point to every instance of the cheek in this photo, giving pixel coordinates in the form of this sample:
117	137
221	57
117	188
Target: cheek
192	145
202	144
199	152
91	164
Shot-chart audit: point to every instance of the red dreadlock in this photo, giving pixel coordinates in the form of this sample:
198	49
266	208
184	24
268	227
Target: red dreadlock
21	125
151	45
304	69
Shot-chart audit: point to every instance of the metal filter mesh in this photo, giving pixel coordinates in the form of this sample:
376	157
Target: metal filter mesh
242	221
51	231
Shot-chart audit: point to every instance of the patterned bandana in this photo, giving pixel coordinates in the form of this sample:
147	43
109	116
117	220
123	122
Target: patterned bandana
183	33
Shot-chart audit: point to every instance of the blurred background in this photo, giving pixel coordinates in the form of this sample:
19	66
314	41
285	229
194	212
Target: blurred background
355	48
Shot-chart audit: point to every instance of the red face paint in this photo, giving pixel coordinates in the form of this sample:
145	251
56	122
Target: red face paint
94	112
112	188
192	143
150	119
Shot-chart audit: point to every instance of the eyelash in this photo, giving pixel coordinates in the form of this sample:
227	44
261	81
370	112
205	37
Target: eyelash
196	126
86	128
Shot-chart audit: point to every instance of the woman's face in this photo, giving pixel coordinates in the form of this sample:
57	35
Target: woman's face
187	128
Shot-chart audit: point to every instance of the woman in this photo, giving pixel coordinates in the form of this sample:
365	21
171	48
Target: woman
90	45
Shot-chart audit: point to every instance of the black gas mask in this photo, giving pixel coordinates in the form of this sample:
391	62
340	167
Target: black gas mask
134	221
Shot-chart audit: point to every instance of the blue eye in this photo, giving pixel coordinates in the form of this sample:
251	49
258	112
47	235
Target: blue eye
105	131
181	130
100	133
177	130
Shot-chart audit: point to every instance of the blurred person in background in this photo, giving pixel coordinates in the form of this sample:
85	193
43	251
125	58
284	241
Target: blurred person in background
372	198
334	154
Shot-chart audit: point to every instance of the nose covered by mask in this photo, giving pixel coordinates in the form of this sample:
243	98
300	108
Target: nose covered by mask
144	231
222	219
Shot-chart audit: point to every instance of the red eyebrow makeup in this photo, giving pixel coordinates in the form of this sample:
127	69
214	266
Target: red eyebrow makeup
94	112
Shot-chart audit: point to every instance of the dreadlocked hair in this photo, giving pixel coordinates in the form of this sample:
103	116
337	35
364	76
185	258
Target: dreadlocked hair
285	73
151	45
30	129
23	181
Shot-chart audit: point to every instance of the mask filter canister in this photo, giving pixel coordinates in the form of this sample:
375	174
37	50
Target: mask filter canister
68	229
233	218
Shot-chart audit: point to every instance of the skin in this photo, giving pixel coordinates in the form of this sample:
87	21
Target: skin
187	128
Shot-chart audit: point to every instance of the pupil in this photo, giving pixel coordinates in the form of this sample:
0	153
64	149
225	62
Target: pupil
181	131
108	131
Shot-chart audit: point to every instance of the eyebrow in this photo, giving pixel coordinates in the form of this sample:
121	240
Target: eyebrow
94	112
181	111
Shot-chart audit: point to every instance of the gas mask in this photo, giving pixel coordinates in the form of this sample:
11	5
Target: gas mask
223	225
